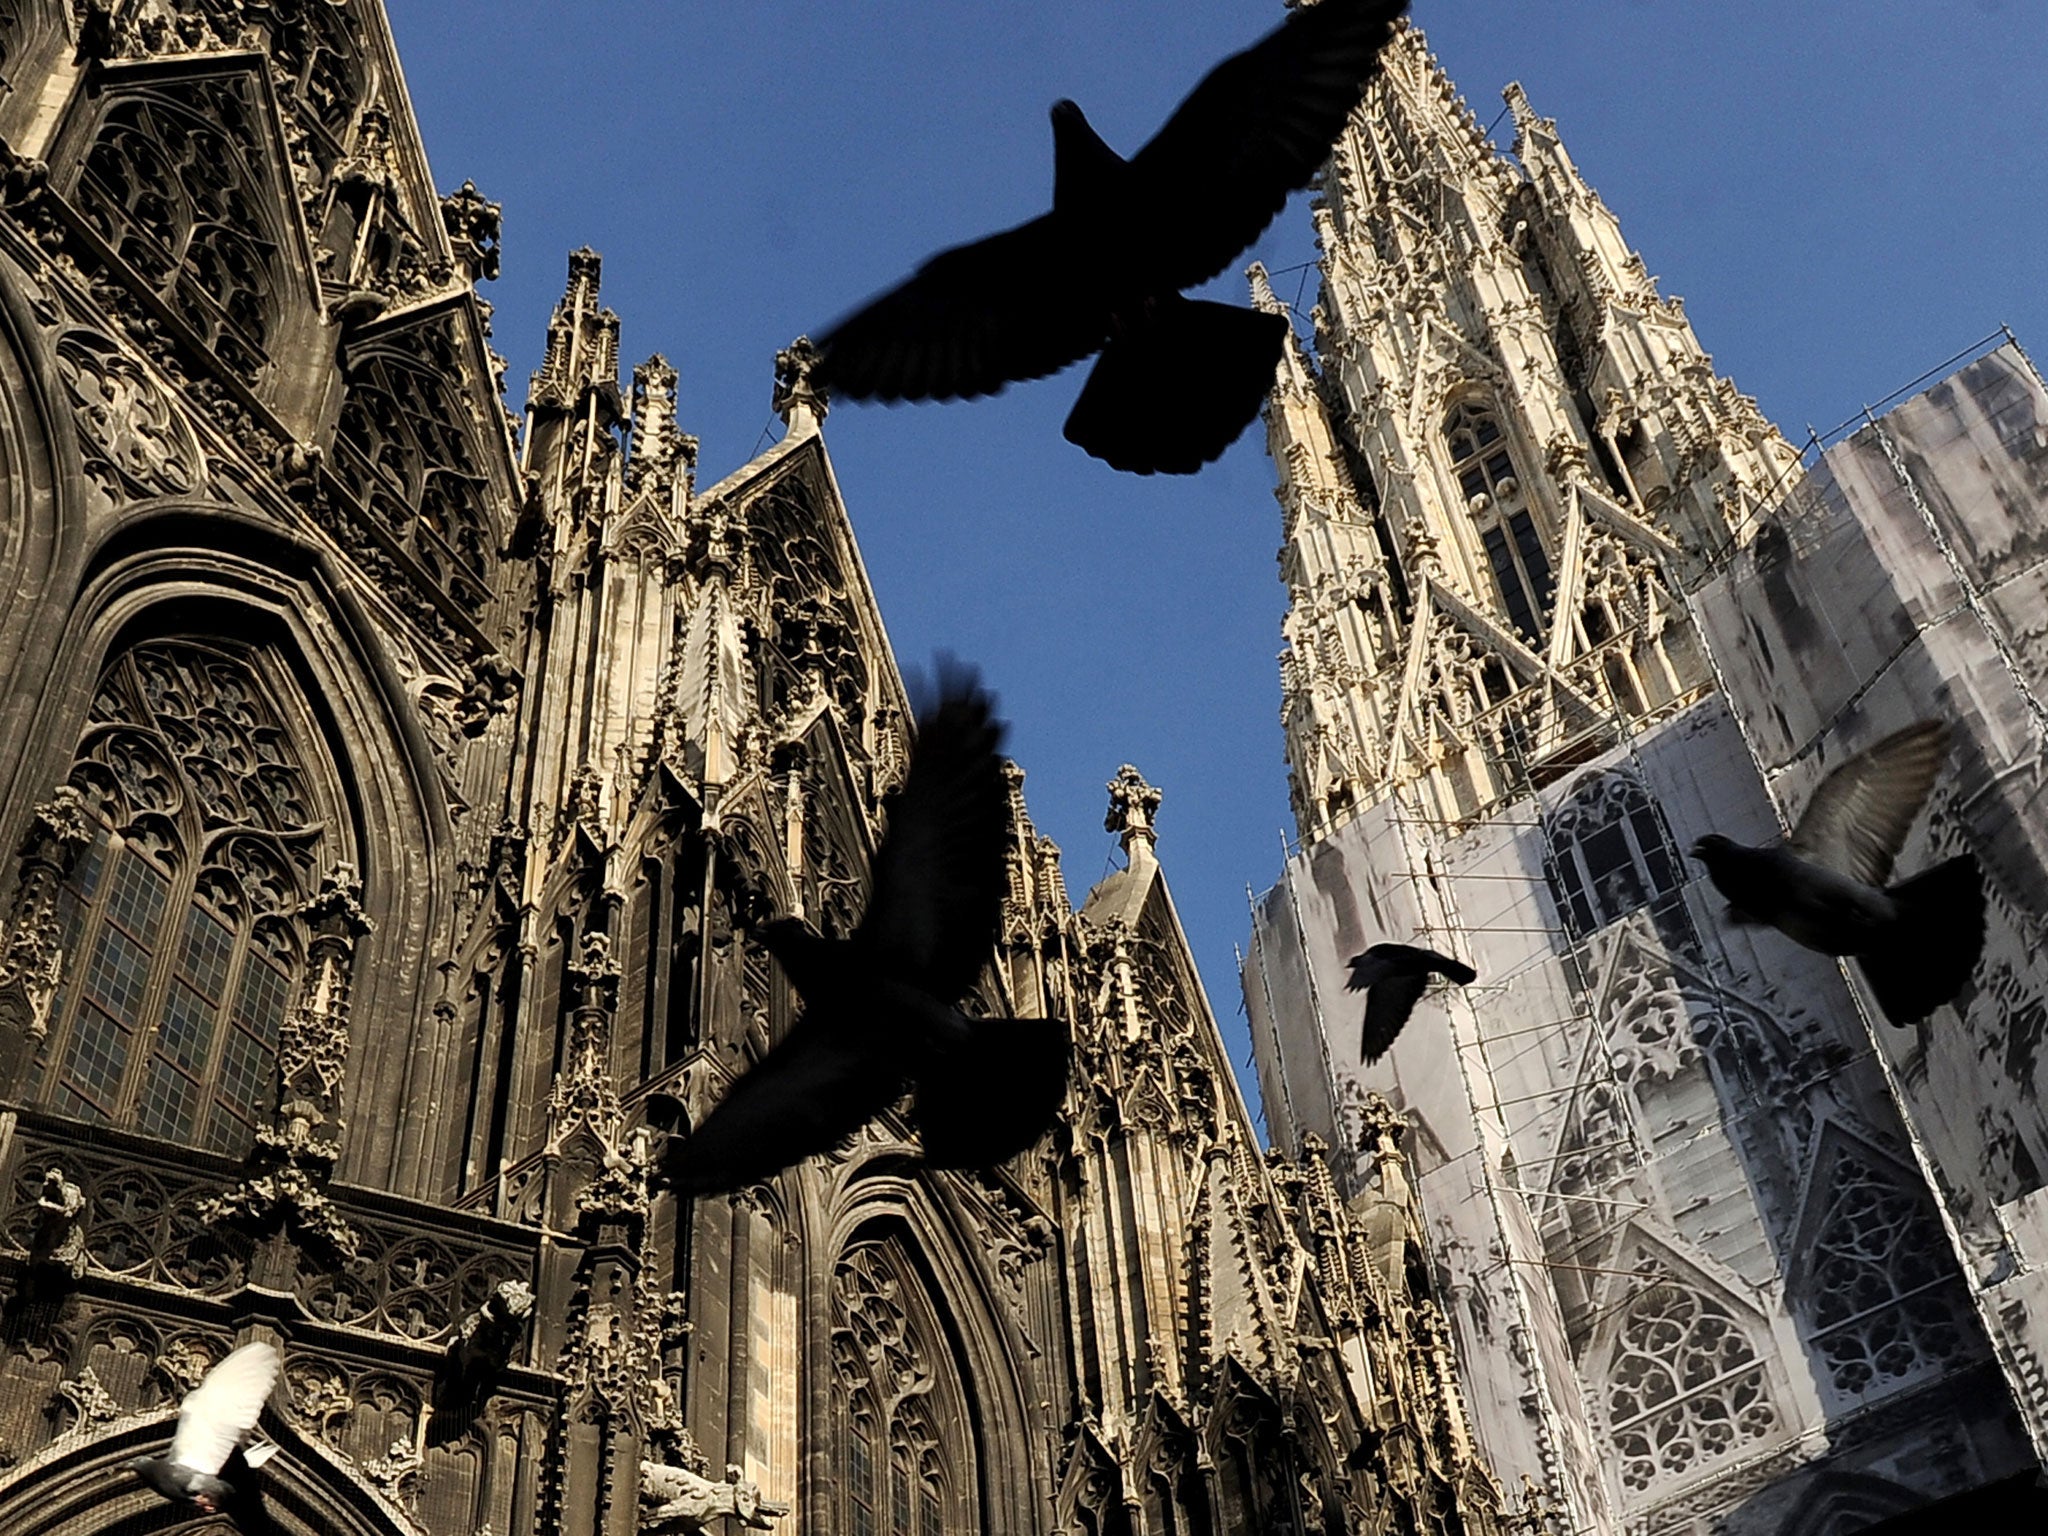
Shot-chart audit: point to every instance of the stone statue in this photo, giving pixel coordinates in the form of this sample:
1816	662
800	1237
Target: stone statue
59	1241
675	1501
486	1338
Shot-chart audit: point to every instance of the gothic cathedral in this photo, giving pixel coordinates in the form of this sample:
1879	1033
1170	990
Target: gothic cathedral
391	791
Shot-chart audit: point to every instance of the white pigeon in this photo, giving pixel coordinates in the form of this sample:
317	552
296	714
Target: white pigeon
216	1417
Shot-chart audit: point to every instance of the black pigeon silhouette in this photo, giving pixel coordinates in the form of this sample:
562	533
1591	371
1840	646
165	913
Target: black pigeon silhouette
214	1421
1824	886
880	1008
1179	379
1392	976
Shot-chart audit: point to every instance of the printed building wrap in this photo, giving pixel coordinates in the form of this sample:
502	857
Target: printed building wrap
392	792
1724	1251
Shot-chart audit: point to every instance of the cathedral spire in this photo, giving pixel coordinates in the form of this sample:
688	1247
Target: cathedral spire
1512	448
1132	805
583	341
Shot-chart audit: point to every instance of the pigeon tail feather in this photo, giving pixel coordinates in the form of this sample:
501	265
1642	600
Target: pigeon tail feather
1178	387
986	1100
1930	951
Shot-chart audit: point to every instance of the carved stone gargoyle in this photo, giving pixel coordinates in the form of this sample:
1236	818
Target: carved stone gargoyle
486	1342
58	1245
486	1339
675	1501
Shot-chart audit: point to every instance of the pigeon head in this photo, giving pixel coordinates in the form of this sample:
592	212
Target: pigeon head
158	1472
1714	848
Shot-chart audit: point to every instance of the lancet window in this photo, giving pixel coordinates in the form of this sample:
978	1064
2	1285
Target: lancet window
1685	1386
1609	854
810	601
405	450
1887	1304
171	182
178	918
907	1468
1484	469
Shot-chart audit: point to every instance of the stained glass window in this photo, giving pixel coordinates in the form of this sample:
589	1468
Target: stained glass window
898	1387
177	918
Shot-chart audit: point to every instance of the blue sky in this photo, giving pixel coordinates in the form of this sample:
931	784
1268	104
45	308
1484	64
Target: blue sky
1846	193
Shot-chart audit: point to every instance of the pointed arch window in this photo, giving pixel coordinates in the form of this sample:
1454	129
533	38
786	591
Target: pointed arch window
1484	468
908	1467
1685	1385
1888	1307
178	917
173	181
1610	854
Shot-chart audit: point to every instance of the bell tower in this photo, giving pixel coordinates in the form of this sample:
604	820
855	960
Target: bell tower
1512	449
1510	480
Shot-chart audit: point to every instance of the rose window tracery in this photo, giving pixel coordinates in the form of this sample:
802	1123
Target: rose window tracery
178	917
172	182
1685	1386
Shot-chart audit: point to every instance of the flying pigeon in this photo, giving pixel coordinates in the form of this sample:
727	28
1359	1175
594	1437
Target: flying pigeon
880	1009
215	1420
1824	886
1179	379
1392	976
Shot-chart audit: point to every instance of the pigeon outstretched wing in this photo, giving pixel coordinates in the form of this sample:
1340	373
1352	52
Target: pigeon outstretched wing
1256	129
1031	300
972	319
995	1095
939	871
1858	818
1393	977
804	1097
1387	1007
219	1413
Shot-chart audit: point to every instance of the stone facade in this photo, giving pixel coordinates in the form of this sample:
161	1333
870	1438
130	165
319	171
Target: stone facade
1701	1263
393	790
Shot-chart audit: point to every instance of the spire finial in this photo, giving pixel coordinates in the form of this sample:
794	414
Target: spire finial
1132	806
799	402
1263	296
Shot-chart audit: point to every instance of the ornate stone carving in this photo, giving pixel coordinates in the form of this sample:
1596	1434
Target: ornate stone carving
675	1501
493	682
486	1339
59	1242
396	1471
1132	806
473	225
31	957
89	1401
133	440
295	1154
799	402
